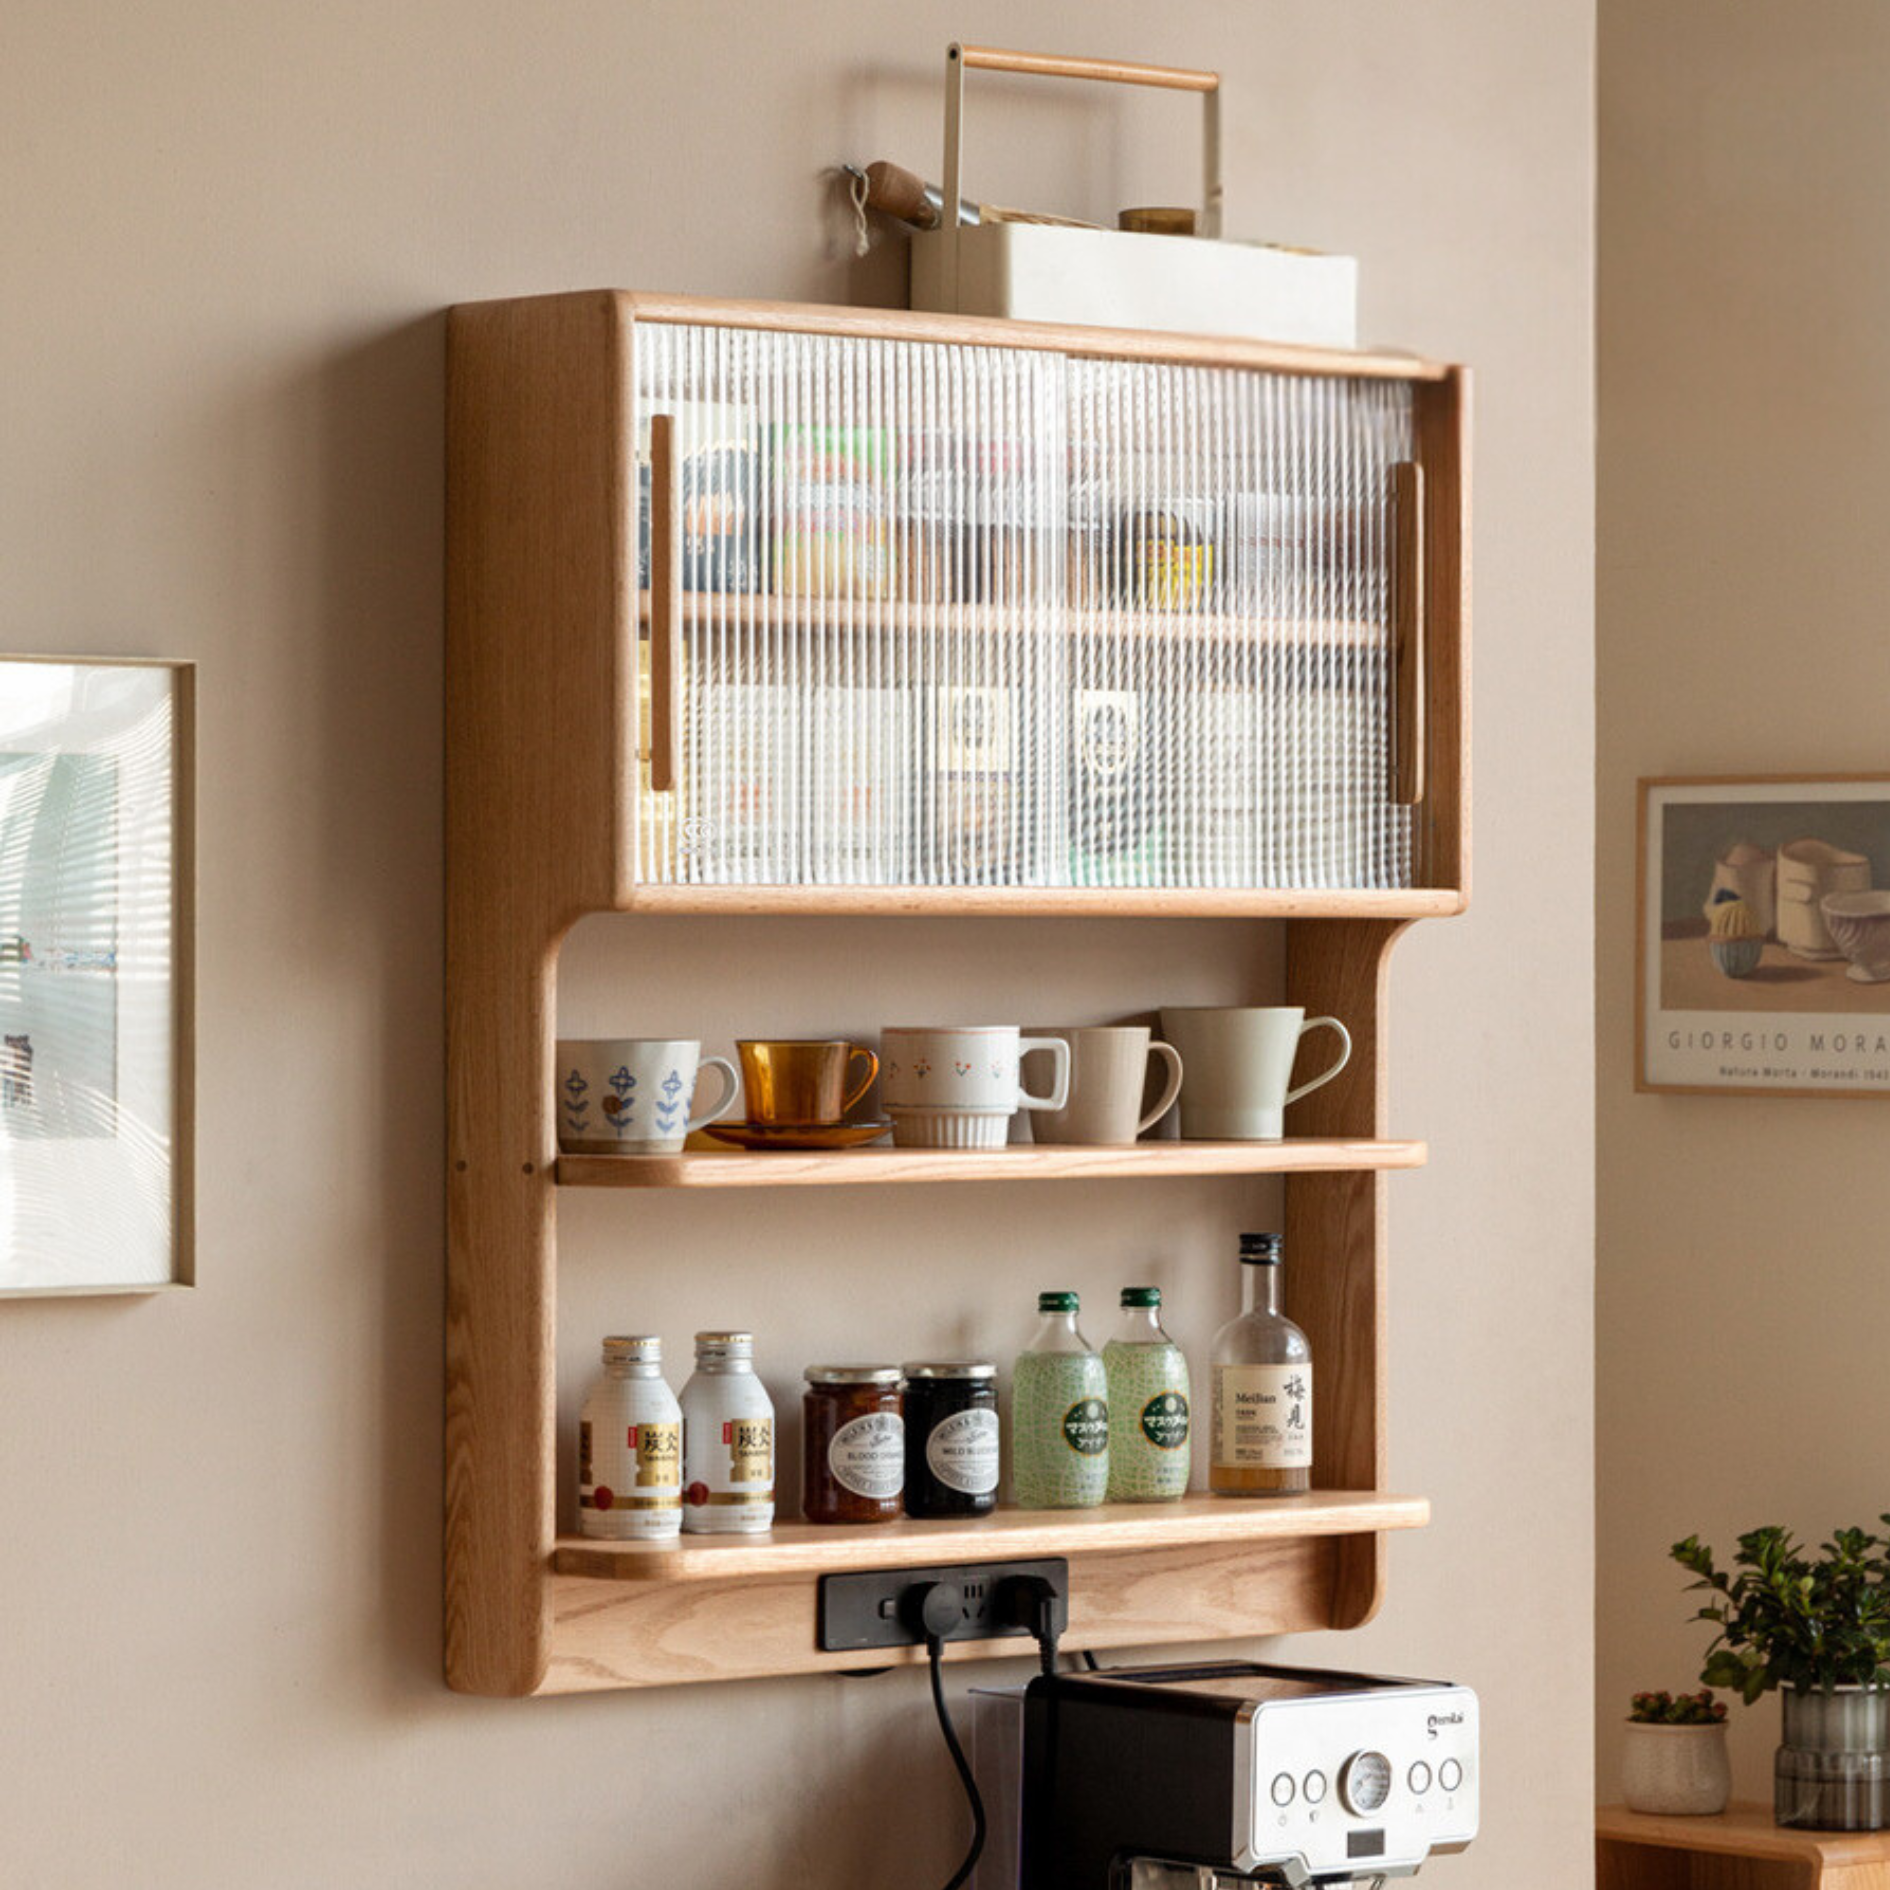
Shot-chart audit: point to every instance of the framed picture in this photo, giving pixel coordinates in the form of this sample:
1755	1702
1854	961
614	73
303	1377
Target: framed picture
1764	935
96	817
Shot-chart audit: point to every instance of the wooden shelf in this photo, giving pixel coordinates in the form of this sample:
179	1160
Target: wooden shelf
763	610
864	1167
801	1548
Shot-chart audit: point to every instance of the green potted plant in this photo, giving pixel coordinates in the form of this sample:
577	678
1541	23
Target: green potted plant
1675	1762
1818	1629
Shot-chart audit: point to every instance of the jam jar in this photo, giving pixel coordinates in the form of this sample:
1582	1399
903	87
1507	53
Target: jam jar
853	1464
951	1438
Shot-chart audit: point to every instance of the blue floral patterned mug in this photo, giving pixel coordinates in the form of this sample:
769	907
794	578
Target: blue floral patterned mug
632	1095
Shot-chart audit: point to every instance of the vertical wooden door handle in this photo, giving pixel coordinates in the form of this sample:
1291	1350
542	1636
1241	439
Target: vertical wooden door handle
1407	650
665	601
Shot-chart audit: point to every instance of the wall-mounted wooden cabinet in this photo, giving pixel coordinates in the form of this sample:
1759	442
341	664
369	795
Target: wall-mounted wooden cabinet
764	609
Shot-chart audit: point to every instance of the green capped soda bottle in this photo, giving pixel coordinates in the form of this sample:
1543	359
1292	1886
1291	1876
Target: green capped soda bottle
1148	1404
1059	1415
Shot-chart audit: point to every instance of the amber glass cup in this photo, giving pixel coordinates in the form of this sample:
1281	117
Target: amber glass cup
803	1083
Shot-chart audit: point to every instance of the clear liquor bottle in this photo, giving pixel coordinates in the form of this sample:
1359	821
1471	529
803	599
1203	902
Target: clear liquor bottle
1263	1393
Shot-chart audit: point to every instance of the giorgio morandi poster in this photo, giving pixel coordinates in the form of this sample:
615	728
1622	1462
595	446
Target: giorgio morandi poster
1765	935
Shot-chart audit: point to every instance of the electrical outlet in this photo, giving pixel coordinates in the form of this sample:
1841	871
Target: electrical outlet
878	1608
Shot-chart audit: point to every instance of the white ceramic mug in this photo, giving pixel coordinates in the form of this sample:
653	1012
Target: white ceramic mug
960	1088
632	1095
1108	1075
1239	1060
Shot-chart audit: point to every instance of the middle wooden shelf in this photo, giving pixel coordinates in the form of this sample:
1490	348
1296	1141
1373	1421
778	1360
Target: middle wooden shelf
857	1167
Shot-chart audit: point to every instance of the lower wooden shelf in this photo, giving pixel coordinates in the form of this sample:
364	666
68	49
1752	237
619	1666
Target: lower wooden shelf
1141	1576
864	1166
800	1548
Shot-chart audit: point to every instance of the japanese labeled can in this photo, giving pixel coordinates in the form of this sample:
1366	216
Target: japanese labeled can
952	1454
853	1462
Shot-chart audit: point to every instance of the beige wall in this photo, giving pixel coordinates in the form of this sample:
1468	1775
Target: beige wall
230	229
1742	569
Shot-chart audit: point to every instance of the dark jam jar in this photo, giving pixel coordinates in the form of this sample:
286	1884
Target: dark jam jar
853	1452
951	1438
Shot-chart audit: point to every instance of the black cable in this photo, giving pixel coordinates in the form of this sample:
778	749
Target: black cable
935	1647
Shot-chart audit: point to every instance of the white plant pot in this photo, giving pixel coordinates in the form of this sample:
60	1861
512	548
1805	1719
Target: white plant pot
1676	1771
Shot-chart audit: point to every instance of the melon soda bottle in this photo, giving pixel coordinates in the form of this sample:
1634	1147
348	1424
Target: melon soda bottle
1059	1414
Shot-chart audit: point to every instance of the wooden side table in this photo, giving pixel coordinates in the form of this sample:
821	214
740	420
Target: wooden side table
1741	1849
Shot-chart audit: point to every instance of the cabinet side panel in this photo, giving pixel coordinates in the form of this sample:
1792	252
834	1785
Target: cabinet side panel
1335	1236
1443	434
536	651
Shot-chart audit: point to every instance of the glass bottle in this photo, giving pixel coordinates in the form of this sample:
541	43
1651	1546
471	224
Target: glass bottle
1059	1415
1263	1396
1148	1404
728	1440
630	1448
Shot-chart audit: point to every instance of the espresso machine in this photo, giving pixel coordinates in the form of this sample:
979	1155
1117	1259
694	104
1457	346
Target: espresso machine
1204	1777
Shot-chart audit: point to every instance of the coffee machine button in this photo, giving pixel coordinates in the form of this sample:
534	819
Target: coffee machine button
1450	1775
1283	1789
1419	1777
1365	1783
1315	1788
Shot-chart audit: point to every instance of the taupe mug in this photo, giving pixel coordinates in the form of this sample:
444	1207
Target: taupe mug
1108	1078
795	1082
1240	1067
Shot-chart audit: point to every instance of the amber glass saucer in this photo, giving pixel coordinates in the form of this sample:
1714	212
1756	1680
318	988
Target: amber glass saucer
788	1135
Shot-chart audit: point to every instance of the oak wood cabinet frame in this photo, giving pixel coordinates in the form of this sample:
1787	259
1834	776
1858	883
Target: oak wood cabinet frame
543	617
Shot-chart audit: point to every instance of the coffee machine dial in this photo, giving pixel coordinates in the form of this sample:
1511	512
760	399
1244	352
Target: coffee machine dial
1365	1783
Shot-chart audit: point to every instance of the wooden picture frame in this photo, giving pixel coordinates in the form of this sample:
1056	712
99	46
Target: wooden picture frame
97	936
1762	935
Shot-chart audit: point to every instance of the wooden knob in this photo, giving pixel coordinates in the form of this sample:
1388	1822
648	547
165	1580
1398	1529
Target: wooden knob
900	193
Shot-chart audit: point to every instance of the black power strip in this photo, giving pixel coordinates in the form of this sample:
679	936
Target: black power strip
879	1607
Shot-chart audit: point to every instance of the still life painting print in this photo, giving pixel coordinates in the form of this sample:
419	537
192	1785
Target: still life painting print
94	975
1764	936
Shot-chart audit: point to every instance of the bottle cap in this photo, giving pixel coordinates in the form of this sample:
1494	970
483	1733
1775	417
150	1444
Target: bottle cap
725	1345
1260	1250
852	1374
952	1368
1141	1296
1059	1302
642	1349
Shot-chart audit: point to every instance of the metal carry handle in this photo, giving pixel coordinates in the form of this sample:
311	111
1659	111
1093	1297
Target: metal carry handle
959	59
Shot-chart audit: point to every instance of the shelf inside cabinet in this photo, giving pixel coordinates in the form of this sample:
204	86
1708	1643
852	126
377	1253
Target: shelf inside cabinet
863	1167
800	1548
898	616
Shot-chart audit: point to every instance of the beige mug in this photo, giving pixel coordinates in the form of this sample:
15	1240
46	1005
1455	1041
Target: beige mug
1109	1066
1239	1060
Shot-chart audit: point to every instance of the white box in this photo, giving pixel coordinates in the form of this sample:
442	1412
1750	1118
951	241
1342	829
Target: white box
1042	272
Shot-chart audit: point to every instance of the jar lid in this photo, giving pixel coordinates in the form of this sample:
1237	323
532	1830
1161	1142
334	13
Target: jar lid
1141	1296
1061	1302
852	1374
725	1344
952	1368
640	1349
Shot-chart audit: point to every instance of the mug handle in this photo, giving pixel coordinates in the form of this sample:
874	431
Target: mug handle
1059	1096
1345	1056
1172	1057
724	1102
866	1082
